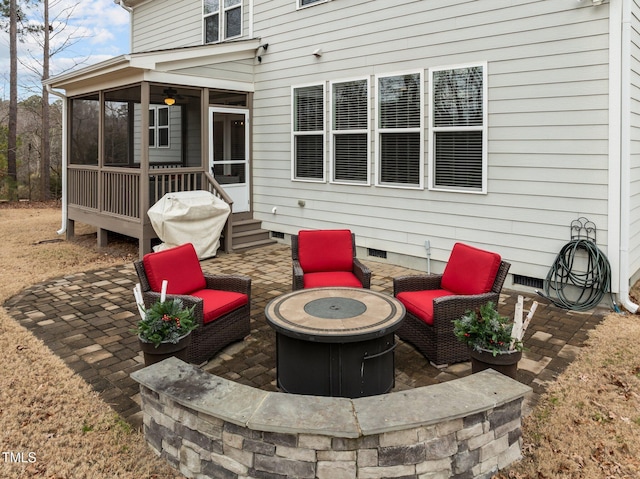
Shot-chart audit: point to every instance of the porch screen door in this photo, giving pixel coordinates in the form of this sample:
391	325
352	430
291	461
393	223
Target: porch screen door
229	153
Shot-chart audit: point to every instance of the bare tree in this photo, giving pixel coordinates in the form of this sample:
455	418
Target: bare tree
9	9
49	20
12	171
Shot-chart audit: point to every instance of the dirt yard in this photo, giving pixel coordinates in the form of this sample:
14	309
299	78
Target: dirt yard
53	426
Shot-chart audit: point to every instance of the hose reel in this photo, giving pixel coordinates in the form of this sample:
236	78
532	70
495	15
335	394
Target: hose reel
581	274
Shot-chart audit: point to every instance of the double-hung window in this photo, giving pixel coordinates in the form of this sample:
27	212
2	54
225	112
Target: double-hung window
308	133
350	131
222	19
458	128
159	126
399	127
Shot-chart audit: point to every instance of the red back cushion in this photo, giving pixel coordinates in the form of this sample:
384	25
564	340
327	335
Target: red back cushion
325	250
179	266
470	270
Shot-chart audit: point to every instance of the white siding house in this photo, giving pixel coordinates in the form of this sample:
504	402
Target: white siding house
492	122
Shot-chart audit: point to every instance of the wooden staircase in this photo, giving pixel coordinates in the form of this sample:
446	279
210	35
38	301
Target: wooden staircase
247	233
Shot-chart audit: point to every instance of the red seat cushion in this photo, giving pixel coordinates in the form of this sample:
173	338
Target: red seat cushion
325	250
179	266
216	303
420	303
335	278
470	270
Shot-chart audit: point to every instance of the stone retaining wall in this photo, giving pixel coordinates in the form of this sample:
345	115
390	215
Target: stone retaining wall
209	427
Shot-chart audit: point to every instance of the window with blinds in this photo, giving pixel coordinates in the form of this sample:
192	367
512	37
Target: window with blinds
399	130
308	133
350	131
458	128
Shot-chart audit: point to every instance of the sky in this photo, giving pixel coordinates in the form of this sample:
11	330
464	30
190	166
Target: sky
94	31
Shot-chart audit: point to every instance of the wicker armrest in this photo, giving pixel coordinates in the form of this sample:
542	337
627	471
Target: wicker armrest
362	272
448	308
298	275
235	283
416	283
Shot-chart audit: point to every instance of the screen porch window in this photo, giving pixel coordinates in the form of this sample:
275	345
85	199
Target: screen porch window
458	127
399	130
222	19
159	126
308	133
350	132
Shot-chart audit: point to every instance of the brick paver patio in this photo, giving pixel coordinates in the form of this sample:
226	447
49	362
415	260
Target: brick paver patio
86	319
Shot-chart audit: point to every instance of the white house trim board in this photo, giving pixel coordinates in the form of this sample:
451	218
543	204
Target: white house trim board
198	81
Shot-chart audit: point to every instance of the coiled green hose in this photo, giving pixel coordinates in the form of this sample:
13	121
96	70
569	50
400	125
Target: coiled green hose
588	287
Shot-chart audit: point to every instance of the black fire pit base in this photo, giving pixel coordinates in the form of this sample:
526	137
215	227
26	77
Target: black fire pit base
352	369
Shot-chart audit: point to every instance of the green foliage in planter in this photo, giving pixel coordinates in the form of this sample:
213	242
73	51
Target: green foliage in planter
166	321
485	329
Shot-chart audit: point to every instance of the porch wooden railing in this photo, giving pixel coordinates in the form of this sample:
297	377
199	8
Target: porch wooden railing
115	191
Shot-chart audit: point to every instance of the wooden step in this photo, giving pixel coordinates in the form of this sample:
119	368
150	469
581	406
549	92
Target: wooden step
249	234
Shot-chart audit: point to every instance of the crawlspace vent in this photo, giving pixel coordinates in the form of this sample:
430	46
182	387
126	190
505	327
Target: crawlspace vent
277	234
377	253
528	281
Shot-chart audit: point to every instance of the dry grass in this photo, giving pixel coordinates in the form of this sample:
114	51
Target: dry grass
588	423
48	415
585	427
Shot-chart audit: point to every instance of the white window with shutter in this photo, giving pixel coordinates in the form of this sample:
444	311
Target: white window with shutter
307	139
350	132
458	128
399	130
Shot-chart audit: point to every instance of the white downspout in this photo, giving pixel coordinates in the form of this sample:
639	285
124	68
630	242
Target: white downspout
250	18
620	143
130	11
63	227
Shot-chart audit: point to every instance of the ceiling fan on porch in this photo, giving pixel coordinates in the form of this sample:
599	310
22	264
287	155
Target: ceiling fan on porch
170	96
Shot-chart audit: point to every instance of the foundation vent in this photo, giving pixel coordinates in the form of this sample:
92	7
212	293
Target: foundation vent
277	234
528	281
377	253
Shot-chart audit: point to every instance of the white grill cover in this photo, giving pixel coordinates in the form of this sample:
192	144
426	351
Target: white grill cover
196	217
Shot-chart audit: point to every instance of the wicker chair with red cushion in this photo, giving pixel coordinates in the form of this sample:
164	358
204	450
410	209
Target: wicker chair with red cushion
471	278
222	302
323	258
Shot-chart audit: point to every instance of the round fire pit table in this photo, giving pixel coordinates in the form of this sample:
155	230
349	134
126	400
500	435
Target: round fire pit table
335	341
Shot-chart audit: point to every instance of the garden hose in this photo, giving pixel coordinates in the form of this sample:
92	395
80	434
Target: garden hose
589	285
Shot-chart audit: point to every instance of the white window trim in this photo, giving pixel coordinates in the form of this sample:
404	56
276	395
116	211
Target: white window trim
302	133
483	128
156	127
332	132
222	26
299	5
378	131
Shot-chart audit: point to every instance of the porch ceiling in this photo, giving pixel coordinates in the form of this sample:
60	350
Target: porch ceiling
158	66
